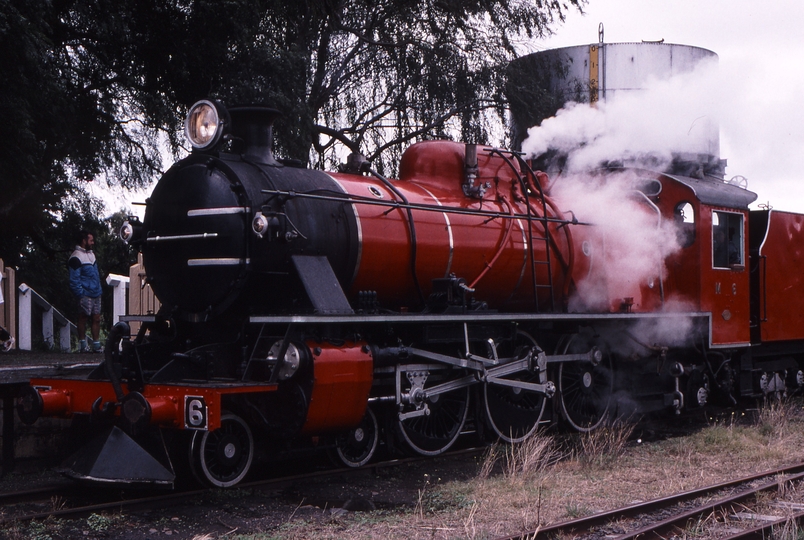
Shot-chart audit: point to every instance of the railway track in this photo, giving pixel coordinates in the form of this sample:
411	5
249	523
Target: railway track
71	501
751	507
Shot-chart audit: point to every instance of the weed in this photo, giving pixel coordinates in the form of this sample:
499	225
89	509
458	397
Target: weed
469	526
719	436
440	500
419	510
605	444
100	523
490	460
38	531
788	531
695	528
42	530
575	510
531	456
57	502
97	522
774	417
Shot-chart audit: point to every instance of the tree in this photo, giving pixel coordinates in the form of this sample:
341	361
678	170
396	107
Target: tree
372	76
93	90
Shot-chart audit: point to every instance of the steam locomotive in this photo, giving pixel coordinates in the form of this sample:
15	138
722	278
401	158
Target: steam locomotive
342	309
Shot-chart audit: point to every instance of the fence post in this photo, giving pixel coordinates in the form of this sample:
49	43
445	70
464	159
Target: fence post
64	336
25	310
141	299
47	326
8	307
119	285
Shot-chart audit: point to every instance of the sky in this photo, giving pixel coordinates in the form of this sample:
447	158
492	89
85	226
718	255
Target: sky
761	70
761	74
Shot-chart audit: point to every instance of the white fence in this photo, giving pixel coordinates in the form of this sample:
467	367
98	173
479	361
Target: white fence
119	285
30	303
52	319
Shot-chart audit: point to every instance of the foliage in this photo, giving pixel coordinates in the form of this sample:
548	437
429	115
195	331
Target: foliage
95	91
98	523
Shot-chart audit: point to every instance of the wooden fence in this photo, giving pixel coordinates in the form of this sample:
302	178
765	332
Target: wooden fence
8	293
141	298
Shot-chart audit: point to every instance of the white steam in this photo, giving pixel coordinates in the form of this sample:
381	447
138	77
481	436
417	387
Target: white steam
635	238
678	114
667	116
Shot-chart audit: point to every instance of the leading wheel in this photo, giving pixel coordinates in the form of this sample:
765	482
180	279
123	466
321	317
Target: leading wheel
585	390
357	447
223	457
434	433
514	413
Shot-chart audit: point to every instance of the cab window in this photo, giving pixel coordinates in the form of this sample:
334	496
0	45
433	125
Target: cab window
727	240
684	217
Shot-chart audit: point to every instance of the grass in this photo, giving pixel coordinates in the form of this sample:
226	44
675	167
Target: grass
789	531
541	481
516	490
604	445
46	529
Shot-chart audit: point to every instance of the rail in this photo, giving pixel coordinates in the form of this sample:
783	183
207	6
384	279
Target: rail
671	515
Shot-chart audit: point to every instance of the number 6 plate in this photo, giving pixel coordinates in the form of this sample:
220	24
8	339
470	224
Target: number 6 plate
195	413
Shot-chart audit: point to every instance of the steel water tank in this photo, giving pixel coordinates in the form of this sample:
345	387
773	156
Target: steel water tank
541	83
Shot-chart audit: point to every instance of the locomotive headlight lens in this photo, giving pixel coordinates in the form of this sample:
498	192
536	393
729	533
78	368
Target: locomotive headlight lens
204	125
126	232
259	224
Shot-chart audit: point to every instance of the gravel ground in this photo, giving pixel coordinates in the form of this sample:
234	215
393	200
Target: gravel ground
331	502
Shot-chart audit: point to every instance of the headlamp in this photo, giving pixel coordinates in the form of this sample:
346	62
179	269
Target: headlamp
126	232
259	224
131	231
204	124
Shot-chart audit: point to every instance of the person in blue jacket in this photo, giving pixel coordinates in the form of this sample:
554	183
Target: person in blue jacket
85	284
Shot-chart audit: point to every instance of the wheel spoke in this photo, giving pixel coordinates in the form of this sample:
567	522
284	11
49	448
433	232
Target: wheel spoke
435	433
514	414
357	447
223	457
584	390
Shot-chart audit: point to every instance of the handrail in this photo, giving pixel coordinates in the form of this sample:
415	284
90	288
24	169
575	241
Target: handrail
27	297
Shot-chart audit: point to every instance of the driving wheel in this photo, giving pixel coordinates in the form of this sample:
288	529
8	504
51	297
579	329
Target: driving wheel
433	433
584	389
514	413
